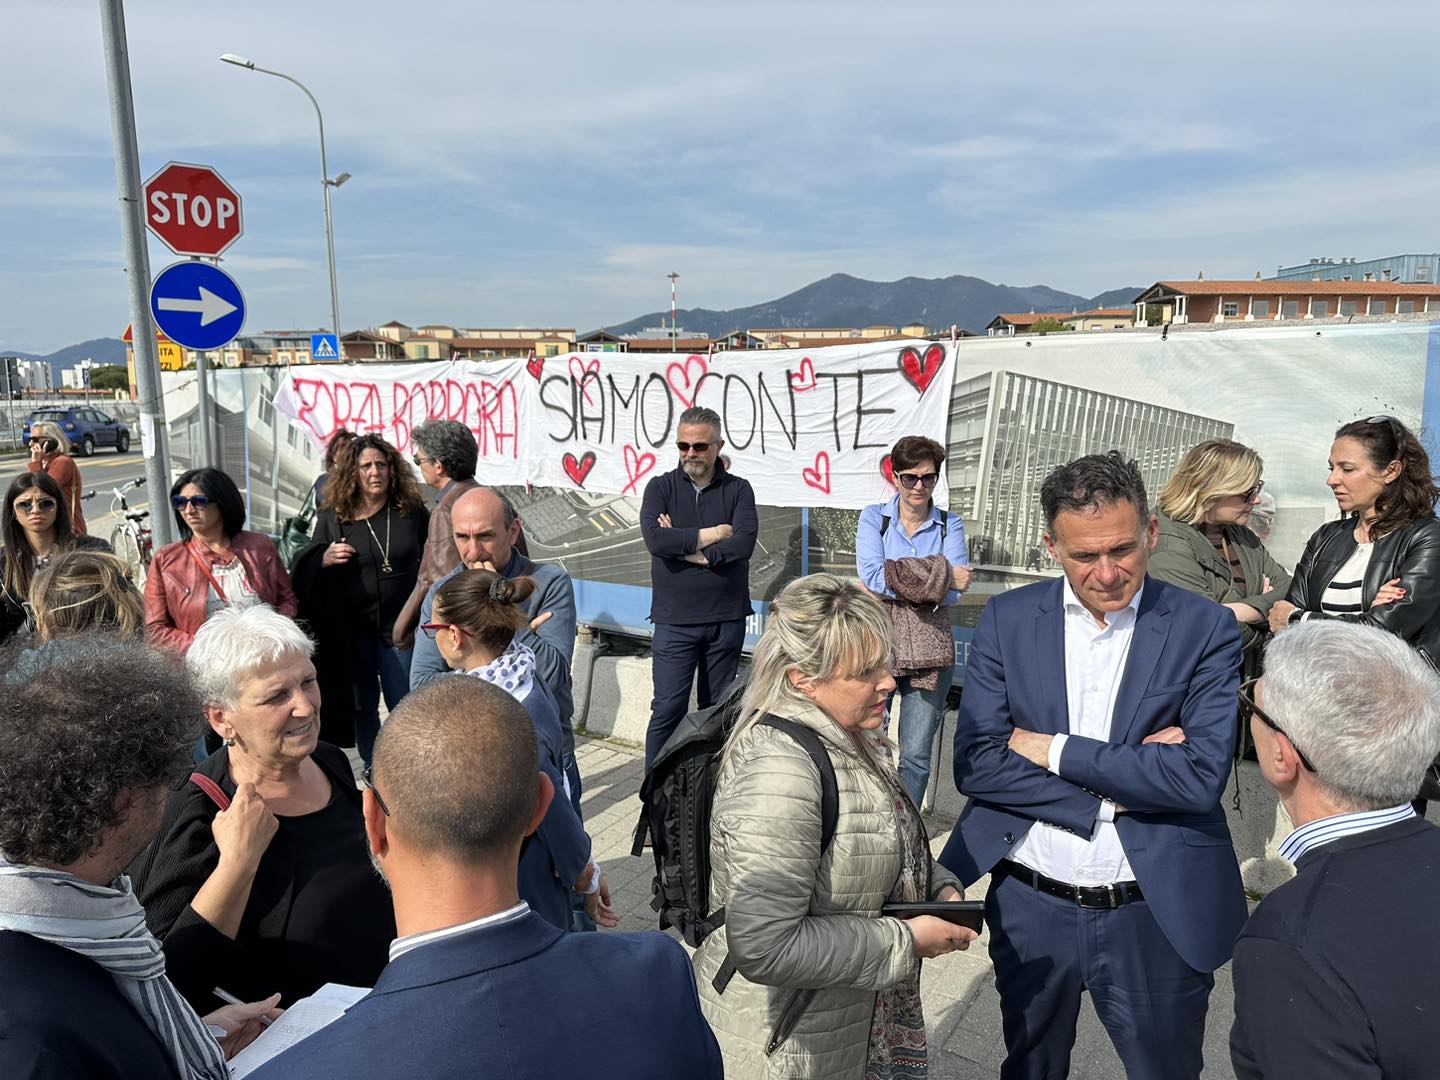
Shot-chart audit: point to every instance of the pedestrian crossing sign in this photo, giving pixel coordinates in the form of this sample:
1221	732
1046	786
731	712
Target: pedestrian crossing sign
324	347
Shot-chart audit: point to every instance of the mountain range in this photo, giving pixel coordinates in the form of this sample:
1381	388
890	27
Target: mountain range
842	300
838	300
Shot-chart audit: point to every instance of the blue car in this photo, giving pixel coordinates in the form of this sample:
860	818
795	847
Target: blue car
86	428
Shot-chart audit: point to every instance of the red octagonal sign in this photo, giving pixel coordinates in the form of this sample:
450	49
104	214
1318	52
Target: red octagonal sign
192	209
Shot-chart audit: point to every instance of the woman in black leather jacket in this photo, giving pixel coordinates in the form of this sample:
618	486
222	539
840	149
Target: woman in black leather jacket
1380	476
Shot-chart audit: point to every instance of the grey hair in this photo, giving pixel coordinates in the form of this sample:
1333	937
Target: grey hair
1360	703
823	626
698	414
1092	481
234	643
449	442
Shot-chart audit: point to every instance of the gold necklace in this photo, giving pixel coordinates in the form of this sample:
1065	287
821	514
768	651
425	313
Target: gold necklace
385	567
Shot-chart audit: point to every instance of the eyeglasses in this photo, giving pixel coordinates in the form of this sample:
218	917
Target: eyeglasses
1248	706
43	505
369	780
698	447
432	629
199	502
908	480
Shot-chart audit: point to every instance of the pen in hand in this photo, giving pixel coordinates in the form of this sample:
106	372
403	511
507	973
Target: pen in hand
231	999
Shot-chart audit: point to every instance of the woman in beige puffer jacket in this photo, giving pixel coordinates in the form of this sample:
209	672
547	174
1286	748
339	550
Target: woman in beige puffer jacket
803	931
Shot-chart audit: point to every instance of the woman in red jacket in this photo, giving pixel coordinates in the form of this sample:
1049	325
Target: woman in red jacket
217	563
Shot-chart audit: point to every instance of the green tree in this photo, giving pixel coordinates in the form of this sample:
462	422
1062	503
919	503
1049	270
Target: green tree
1048	325
109	377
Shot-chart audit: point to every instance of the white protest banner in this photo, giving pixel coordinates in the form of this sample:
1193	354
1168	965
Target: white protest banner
806	428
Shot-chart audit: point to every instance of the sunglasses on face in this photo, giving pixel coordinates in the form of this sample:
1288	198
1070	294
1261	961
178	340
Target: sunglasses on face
419	460
698	447
908	480
27	505
1251	493
1249	708
368	778
199	502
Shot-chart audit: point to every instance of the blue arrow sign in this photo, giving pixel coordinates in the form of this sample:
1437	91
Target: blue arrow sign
324	347
197	305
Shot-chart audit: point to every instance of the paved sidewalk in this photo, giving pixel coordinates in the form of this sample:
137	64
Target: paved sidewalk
960	1001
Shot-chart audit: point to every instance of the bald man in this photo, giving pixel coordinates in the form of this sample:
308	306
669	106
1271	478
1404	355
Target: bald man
486	530
478	984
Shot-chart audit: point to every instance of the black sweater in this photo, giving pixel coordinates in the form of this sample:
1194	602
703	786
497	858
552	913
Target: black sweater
685	593
1337	974
317	911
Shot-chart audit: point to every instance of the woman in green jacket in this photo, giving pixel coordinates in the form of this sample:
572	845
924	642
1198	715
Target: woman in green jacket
1204	544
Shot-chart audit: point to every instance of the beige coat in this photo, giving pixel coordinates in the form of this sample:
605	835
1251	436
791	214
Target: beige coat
794	919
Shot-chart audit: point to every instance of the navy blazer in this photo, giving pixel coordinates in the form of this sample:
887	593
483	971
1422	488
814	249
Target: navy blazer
520	1001
1183	670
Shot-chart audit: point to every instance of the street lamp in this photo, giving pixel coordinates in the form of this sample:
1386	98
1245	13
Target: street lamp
325	181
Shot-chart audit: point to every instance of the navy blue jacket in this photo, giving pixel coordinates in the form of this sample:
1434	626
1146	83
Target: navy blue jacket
1337	975
1183	670
684	593
520	1001
62	1017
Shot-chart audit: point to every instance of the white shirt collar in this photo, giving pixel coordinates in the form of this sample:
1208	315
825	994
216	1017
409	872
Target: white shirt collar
400	946
1322	831
1125	615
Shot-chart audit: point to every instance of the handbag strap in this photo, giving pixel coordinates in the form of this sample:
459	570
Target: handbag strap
212	789
204	569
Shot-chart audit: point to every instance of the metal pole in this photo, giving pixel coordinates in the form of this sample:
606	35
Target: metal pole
153	434
9	404
202	405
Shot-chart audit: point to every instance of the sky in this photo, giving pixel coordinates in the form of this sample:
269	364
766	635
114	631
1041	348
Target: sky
548	164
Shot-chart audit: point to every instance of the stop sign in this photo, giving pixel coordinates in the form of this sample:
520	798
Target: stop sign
192	209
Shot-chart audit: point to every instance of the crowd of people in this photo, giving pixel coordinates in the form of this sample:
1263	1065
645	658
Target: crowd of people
179	816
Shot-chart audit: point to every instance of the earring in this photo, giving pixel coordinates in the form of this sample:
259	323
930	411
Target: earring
229	742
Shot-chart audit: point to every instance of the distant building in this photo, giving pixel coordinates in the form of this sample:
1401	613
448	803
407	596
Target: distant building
18	374
1101	319
1203	301
1022	323
668	344
601	341
372	348
1416	269
78	377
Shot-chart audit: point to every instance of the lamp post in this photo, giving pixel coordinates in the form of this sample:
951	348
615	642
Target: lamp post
326	184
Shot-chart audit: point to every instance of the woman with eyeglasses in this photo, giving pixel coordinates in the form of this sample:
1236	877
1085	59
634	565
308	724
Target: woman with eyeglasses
216	563
353	580
259	874
912	555
475	616
35	526
50	454
1380	563
1205	545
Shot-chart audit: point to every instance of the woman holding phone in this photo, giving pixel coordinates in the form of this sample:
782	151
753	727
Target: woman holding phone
50	453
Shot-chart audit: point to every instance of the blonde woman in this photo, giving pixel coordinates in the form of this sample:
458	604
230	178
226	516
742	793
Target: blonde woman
825	987
82	591
1205	546
50	453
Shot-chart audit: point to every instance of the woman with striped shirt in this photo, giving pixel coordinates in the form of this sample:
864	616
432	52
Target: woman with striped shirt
1380	563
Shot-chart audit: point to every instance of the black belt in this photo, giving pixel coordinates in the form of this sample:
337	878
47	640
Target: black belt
1103	897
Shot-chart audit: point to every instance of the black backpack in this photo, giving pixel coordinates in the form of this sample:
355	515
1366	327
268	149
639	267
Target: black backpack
677	793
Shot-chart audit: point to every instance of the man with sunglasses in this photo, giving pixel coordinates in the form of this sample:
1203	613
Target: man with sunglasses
1335	973
699	523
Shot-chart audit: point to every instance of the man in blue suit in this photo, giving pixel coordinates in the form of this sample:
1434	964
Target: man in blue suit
478	985
1094	742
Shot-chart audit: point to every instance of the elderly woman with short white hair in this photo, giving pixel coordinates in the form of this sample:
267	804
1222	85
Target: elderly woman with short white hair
260	875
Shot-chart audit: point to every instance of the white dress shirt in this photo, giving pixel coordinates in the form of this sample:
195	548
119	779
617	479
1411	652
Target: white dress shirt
1094	664
400	946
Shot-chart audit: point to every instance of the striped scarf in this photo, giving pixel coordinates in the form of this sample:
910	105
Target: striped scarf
106	924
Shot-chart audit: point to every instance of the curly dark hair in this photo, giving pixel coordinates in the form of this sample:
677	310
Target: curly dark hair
342	491
1413	494
19	566
81	721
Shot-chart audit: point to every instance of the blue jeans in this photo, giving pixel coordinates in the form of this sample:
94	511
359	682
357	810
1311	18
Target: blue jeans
920	714
379	667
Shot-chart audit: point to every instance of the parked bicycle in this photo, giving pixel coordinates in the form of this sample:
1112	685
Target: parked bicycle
130	539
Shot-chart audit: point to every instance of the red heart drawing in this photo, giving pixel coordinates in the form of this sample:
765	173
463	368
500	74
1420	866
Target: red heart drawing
804	379
683	370
636	466
818	477
581	371
535	366
888	468
921	370
577	470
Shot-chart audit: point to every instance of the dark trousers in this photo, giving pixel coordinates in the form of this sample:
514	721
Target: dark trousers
378	668
680	653
1047	952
